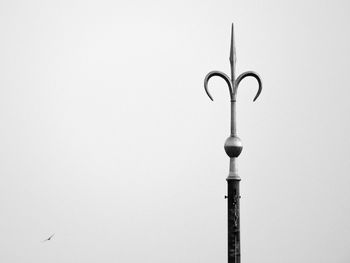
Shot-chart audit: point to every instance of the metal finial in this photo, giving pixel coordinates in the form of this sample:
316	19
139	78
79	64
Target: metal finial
233	147
232	82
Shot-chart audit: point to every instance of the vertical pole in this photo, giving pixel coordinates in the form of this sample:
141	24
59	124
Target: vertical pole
233	221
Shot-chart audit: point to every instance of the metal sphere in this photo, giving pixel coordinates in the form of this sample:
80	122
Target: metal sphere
233	146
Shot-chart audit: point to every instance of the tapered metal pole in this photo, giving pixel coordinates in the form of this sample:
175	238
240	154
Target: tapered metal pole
233	148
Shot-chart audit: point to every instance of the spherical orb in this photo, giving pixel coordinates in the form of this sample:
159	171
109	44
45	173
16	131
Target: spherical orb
233	146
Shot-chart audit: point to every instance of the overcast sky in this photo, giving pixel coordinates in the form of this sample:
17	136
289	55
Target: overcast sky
108	140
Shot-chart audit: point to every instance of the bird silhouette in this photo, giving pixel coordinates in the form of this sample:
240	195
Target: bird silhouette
48	239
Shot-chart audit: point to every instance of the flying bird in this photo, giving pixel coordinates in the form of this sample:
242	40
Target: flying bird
48	239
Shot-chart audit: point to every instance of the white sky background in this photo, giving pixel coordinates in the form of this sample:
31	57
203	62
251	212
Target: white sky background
108	139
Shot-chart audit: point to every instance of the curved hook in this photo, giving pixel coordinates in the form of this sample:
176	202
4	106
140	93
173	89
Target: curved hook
250	74
219	74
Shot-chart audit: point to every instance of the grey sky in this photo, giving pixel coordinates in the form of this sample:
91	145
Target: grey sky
108	139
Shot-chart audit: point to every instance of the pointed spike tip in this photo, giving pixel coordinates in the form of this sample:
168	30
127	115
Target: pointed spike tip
232	48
